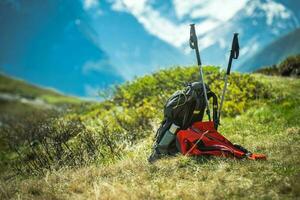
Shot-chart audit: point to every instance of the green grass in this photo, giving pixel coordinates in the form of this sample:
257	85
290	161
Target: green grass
267	123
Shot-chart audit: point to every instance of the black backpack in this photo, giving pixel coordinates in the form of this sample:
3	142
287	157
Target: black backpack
184	108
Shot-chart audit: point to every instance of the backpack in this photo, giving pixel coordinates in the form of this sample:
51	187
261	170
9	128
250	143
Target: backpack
184	108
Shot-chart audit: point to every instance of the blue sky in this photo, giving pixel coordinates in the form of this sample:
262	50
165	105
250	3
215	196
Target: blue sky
81	46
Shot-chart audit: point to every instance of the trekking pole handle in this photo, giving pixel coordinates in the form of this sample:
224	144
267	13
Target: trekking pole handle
234	52
193	37
194	43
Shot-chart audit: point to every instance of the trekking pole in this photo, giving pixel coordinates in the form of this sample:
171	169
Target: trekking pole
234	54
194	45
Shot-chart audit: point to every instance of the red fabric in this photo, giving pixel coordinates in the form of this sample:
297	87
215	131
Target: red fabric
255	156
205	133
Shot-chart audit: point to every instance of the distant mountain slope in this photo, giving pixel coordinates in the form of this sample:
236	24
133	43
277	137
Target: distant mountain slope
10	85
18	87
66	49
274	53
18	98
22	101
45	42
259	23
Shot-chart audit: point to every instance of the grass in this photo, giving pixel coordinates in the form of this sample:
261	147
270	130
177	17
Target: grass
20	101
271	127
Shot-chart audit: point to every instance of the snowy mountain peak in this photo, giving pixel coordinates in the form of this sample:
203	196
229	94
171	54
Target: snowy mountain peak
275	14
272	10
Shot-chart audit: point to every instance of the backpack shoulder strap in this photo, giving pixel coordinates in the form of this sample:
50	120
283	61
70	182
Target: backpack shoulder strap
215	108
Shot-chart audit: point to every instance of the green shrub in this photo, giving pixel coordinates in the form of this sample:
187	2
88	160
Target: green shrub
290	66
157	88
270	71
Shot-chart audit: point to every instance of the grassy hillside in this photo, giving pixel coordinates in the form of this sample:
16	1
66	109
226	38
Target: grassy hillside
19	99
22	89
100	151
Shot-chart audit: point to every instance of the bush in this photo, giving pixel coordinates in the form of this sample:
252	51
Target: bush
54	142
290	66
270	71
157	88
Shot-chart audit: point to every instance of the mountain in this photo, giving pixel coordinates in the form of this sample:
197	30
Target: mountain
132	50
80	47
274	53
59	44
44	43
292	5
259	23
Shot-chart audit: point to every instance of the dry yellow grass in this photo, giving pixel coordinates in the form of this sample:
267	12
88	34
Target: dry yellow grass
174	178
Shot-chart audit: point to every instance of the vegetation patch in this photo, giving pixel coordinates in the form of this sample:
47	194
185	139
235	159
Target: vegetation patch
99	150
288	67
